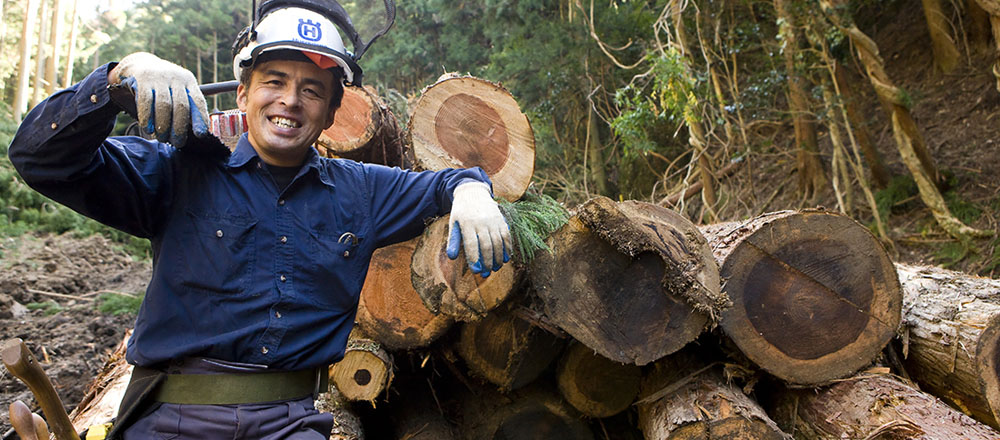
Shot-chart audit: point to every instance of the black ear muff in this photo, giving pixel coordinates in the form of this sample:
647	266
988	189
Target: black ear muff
242	40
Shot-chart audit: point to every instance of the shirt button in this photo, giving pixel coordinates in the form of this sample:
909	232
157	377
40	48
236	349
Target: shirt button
263	350
281	202
277	314
218	233
347	254
54	126
282	278
93	98
284	239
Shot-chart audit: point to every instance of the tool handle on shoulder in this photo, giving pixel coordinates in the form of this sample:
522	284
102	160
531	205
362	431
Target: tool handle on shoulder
23	365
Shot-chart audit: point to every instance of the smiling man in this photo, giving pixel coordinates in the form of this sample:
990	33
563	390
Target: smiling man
259	255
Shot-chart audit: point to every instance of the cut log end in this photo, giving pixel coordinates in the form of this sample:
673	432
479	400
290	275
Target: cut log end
595	385
988	361
364	372
465	122
506	350
815	296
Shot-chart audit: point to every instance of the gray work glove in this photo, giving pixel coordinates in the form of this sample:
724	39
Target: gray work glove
168	100
477	222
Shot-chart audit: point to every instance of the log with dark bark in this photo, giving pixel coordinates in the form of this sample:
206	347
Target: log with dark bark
364	372
594	385
631	280
685	399
815	295
951	328
448	286
536	412
873	407
364	130
416	415
460	122
389	309
506	350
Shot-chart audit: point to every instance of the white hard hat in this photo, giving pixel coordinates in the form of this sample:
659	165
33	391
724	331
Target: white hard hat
297	29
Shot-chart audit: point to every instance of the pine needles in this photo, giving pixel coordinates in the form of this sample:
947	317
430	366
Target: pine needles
531	220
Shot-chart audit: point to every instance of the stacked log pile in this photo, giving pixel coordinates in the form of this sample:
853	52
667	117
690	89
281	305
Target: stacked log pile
638	324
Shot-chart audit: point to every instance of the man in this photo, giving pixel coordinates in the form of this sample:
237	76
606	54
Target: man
258	256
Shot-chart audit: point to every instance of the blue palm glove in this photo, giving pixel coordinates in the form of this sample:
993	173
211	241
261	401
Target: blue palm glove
477	223
168	100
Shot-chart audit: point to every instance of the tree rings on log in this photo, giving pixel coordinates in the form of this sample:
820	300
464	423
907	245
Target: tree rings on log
685	399
464	122
448	286
364	130
815	295
874	407
951	324
364	372
506	350
595	385
390	310
631	296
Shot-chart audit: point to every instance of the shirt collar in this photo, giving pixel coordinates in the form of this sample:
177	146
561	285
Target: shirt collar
245	152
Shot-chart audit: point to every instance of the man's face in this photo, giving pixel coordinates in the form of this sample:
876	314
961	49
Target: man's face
287	105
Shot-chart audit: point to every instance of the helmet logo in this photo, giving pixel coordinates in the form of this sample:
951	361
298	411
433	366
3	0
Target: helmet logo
309	30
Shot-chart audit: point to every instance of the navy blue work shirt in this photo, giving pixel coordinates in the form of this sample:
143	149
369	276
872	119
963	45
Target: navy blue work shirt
241	271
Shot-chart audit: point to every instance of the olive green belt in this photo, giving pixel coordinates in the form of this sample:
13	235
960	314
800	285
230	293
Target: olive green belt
242	388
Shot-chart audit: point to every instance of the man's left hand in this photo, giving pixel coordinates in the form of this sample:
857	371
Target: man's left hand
477	222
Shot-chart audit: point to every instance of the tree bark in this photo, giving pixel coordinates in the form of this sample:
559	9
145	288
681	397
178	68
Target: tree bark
55	38
685	399
43	28
631	280
951	322
979	26
105	392
815	295
21	93
448	286
595	155
595	385
462	122
389	309
507	351
346	423
364	372
880	174
874	407
946	54
71	46
810	170
364	130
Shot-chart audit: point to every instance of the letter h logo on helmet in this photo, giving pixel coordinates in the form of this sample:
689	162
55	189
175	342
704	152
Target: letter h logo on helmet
309	30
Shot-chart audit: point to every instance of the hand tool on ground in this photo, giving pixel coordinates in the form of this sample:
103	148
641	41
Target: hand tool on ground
22	364
23	421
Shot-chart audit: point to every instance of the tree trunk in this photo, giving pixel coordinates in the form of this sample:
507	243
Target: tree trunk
952	337
507	351
389	309
462	122
595	385
880	174
533	413
43	28
21	93
448	286
908	139
815	295
364	372
810	170
594	154
946	54
874	407
979	26
364	130
55	38
631	280
71	47
684	399
995	26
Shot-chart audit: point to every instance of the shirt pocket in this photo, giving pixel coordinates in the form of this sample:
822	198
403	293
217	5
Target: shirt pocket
333	276
219	253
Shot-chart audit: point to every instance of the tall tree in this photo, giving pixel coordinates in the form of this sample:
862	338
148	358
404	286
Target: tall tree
21	94
946	54
40	53
71	46
52	58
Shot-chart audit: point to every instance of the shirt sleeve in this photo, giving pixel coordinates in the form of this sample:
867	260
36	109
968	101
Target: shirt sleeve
403	202
62	150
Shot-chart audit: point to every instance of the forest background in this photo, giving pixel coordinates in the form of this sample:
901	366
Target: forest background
721	109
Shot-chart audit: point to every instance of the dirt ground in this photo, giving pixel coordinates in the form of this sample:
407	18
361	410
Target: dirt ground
71	343
957	114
